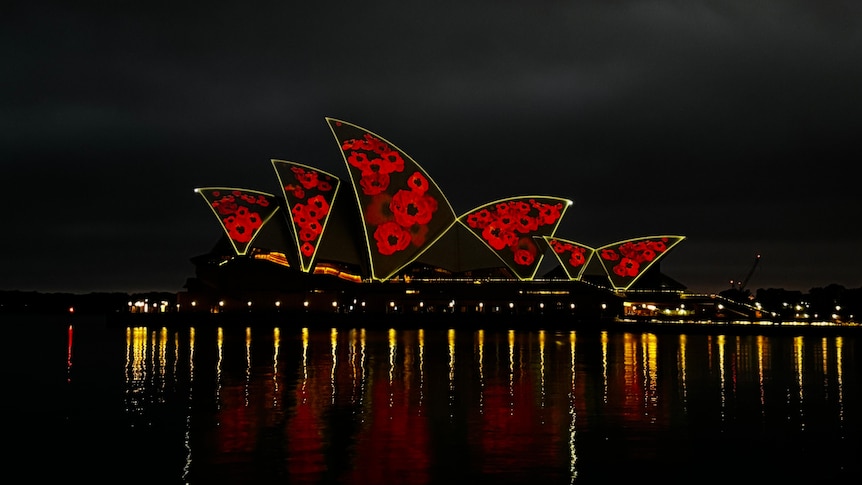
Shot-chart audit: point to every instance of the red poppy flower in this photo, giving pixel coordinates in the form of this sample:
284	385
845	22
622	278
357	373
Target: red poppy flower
524	257
235	231
225	207
410	208
548	214
324	186
373	183
627	268
300	214
577	259
310	231
499	236
506	220
519	207
307	249
308	179
391	237
352	145
417	183
358	160
318	206
393	161
242	225
480	219
658	246
610	255
525	224
376	145
385	164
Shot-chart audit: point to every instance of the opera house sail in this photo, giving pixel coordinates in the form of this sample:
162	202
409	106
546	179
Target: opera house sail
402	210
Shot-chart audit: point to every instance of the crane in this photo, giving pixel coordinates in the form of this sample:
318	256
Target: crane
750	272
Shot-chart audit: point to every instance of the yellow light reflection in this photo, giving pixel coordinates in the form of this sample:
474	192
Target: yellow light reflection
511	371
219	346
681	363
605	367
650	344
352	356
407	365
839	369
824	351
176	355
421	368
136	368
362	365
630	372
761	351
451	341
304	365
542	368
722	378
247	364
333	345
573	414
799	360
393	352
152	358
480	356
187	442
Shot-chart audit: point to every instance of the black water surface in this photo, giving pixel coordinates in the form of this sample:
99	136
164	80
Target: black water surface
88	400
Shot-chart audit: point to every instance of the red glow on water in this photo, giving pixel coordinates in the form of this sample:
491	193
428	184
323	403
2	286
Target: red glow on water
69	353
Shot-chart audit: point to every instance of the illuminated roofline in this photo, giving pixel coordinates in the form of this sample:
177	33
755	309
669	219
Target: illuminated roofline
674	240
263	222
566	204
564	264
298	245
354	186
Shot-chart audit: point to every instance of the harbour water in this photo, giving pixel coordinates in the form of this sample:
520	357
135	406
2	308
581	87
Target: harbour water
85	399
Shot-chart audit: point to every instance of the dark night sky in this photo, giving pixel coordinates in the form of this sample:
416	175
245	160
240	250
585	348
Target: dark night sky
733	123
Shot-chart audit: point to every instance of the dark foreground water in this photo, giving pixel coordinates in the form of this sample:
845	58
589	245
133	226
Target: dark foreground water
83	400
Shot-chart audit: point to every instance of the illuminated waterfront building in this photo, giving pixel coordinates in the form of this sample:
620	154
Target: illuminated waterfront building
385	239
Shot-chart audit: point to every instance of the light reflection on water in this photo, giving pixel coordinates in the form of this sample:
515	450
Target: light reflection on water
352	405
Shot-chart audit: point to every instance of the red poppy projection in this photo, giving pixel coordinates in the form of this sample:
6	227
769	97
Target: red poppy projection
309	194
241	212
625	261
403	210
572	256
509	226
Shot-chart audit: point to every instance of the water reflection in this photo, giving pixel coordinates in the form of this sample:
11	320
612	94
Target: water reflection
70	333
417	406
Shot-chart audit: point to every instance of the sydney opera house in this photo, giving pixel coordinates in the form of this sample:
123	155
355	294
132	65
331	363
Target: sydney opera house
384	239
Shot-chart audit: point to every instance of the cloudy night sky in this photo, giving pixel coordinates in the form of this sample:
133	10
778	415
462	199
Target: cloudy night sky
733	123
